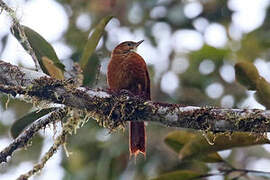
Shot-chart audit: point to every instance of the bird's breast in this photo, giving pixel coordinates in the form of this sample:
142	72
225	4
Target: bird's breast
117	74
124	71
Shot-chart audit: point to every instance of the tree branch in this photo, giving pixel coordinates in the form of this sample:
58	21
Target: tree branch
112	109
69	127
243	172
60	140
24	138
16	26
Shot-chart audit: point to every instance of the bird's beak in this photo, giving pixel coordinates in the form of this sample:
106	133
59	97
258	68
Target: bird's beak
138	43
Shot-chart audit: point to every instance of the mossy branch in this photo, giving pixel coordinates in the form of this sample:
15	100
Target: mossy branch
23	139
60	140
69	127
112	109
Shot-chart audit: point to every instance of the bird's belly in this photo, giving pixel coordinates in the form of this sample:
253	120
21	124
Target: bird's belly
118	80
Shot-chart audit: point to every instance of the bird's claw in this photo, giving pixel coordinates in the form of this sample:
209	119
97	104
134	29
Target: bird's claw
126	92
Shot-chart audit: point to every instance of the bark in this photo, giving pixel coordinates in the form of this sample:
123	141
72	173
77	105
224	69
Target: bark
112	109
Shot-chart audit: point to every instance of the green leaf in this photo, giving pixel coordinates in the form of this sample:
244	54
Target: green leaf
53	70
246	74
93	41
263	92
178	139
91	70
19	125
43	50
212	158
202	145
179	175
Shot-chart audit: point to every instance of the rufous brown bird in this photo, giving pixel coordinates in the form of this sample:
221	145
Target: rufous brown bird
127	70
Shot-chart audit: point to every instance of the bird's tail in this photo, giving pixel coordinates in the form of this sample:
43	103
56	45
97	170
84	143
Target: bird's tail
137	138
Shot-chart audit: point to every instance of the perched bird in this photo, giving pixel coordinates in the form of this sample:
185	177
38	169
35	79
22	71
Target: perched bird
127	70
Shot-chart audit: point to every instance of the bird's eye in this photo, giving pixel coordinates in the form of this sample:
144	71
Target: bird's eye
129	44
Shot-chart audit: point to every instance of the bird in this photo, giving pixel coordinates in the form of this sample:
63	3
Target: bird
127	70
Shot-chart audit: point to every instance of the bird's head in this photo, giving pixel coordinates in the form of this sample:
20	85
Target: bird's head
126	47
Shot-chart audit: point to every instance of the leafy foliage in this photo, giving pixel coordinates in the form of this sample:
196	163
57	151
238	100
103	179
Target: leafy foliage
190	145
248	75
179	175
93	41
47	58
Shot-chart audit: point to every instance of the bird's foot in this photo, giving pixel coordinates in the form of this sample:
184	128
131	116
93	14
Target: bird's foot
126	92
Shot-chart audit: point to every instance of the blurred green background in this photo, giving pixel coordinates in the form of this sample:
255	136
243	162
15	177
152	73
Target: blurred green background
190	47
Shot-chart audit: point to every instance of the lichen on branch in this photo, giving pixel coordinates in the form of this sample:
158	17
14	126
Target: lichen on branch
112	109
23	139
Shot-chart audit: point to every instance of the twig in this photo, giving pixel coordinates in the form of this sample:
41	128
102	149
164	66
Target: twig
24	138
69	127
16	25
245	171
240	175
223	172
53	149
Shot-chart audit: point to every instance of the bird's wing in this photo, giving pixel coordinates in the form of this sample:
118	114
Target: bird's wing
148	85
140	81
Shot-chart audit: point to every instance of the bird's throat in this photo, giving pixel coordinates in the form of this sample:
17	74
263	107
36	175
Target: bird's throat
134	50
